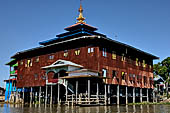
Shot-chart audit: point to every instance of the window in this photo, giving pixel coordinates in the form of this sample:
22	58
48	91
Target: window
104	52
150	66
133	77
113	55
21	62
77	52
145	80
36	76
123	75
51	57
138	78
90	50
123	57
114	73
151	81
37	59
28	63
137	61
20	77
104	72
144	65
65	53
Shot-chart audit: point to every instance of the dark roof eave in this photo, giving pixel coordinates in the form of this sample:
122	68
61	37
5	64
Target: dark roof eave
154	57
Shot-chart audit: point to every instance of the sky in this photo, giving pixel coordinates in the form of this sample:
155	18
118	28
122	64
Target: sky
144	24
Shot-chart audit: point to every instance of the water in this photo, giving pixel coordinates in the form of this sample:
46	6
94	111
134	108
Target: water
10	108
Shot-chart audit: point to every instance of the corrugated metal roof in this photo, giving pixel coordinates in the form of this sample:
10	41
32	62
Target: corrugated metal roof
61	63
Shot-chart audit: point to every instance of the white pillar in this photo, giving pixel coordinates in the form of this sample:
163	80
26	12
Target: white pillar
147	95
40	95
126	95
66	91
58	93
76	91
97	93
118	94
105	93
89	91
51	99
109	93
46	93
31	96
23	94
134	94
140	94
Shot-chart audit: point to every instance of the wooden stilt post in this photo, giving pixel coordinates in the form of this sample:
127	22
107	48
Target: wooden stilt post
23	95
153	95
58	94
51	99
133	94
66	91
140	94
126	95
89	91
76	91
97	92
72	100
39	95
118	94
105	93
46	94
16	97
108	93
147	95
31	96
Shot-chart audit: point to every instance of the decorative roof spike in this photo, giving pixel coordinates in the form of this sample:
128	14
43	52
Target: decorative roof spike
81	18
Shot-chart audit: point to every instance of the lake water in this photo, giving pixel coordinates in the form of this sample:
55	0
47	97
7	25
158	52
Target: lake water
10	108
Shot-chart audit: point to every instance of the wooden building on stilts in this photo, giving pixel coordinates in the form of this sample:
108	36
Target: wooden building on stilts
84	67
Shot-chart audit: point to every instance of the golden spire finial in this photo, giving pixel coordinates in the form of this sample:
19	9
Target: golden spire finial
81	18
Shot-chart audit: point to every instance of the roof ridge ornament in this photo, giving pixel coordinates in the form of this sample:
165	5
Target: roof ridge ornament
80	18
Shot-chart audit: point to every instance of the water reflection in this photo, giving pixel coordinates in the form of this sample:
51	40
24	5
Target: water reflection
19	108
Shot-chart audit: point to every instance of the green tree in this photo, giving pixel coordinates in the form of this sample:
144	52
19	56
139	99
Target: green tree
163	69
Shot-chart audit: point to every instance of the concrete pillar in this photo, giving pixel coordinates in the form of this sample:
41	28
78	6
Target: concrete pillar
89	91
147	95
117	94
23	94
46	94
51	97
140	94
134	94
58	93
108	93
105	93
126	95
31	96
39	95
76	91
